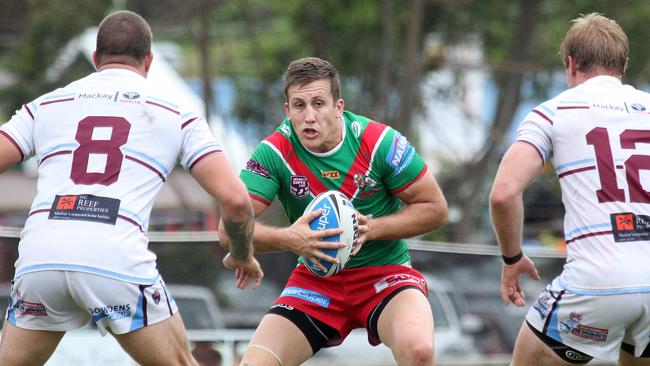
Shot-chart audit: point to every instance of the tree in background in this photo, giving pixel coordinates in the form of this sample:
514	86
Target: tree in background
380	47
48	26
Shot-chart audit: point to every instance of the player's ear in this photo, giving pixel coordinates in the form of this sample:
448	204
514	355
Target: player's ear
95	59
148	59
340	106
286	109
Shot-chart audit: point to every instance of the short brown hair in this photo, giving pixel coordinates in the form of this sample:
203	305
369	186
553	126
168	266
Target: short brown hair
123	37
306	70
596	41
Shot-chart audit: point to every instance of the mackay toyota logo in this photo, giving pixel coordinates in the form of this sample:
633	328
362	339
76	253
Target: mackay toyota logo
131	95
638	107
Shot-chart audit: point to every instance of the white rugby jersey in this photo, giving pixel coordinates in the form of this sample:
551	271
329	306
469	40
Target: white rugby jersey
104	145
597	136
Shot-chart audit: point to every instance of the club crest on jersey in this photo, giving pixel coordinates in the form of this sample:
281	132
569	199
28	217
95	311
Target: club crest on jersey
156	297
364	182
299	186
332	174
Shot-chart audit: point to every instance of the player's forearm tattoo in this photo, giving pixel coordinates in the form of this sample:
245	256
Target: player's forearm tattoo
240	233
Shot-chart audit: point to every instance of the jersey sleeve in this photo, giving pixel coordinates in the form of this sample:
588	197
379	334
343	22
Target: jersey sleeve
20	130
536	129
261	174
198	141
401	164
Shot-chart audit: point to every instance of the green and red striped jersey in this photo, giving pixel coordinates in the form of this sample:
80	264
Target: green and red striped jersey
370	165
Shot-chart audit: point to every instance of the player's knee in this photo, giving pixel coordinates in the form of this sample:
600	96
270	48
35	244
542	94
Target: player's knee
416	353
256	355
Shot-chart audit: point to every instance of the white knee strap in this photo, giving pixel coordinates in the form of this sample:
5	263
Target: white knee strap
267	350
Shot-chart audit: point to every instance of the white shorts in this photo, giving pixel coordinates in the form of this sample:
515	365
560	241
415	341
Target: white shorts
595	325
66	300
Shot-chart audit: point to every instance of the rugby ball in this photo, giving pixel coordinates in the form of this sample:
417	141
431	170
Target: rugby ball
338	212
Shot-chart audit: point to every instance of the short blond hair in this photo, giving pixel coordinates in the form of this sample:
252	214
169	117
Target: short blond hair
595	41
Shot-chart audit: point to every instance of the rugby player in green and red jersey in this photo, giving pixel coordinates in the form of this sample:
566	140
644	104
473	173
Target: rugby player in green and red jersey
320	147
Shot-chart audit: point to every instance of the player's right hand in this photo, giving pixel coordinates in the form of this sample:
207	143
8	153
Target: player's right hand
511	281
304	241
245	271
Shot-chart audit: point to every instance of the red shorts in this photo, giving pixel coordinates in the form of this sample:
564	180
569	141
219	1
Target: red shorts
344	301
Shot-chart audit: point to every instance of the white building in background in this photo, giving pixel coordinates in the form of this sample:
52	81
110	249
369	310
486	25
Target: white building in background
458	105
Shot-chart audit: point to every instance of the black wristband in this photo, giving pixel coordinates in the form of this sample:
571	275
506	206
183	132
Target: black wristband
514	259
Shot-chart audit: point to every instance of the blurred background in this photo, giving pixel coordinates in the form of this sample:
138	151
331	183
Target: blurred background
455	76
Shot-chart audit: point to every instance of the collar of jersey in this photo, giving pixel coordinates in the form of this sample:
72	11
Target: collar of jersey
603	79
120	72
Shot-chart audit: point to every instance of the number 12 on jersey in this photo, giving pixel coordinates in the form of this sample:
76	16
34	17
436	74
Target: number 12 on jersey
609	190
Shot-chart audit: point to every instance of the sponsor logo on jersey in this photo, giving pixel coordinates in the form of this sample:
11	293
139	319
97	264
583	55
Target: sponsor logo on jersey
112	312
66	203
592	333
285	130
307	295
156	297
638	107
284	306
567	325
609	107
397	151
400	155
23	307
299	186
131	95
542	305
356	128
405	162
85	207
624	221
628	226
397	279
254	166
95	96
332	174
573	326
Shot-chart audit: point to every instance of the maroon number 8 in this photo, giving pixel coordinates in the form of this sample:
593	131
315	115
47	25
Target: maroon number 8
609	191
120	128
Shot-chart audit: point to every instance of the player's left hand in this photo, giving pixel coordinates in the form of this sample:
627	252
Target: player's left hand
362	232
511	281
245	271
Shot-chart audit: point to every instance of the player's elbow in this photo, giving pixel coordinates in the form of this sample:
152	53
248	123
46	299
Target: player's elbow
436	214
238	205
441	213
501	195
